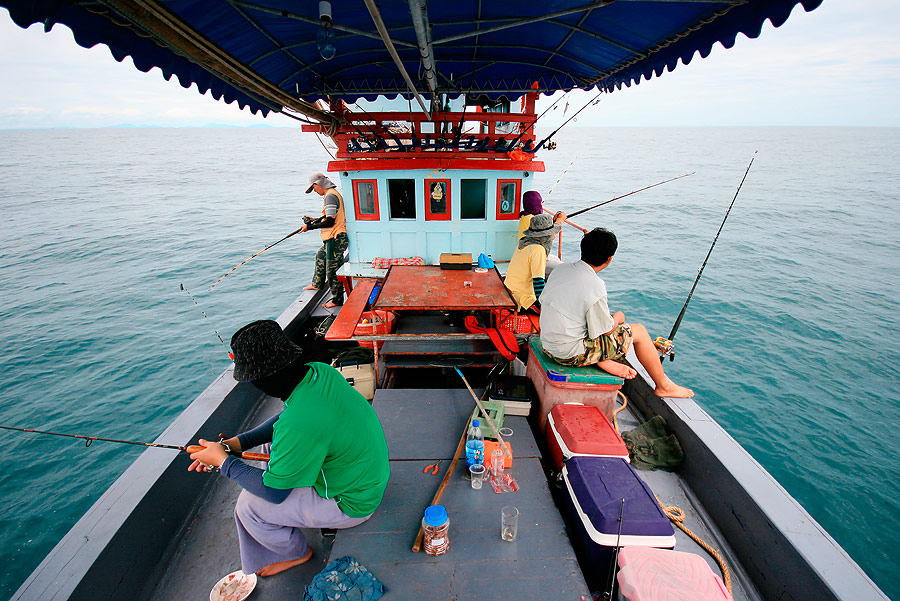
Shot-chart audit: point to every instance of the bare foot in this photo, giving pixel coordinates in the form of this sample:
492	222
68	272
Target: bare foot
311	287
617	369
670	389
330	305
280	566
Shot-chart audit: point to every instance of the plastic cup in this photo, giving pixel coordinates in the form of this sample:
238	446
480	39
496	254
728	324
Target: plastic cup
509	523
476	472
497	461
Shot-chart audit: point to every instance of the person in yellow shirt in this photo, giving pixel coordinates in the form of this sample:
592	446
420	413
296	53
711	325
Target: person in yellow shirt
533	204
527	268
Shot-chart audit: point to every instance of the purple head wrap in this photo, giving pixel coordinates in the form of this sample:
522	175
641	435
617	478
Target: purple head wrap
532	203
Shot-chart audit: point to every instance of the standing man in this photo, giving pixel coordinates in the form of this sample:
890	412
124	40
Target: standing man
333	228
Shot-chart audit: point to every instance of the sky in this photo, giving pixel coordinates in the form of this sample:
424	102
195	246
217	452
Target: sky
836	66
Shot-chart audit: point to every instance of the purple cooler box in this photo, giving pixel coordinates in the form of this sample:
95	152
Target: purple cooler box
596	487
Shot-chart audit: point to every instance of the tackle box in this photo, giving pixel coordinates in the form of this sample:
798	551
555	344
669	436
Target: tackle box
576	430
555	383
515	392
461	261
361	377
647	574
607	504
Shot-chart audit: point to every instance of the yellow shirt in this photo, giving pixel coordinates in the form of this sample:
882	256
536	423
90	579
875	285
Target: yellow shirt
524	222
526	263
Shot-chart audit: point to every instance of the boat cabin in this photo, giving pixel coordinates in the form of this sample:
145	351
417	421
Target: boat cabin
419	185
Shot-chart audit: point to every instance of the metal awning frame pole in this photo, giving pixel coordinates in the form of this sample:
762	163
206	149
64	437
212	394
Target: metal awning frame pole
419	11
389	44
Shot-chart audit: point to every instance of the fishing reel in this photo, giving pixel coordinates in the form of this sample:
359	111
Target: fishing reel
665	347
307	220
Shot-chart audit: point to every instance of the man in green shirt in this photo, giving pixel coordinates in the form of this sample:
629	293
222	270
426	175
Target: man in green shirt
329	459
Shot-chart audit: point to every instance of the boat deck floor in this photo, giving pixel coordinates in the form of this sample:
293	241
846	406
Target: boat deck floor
422	426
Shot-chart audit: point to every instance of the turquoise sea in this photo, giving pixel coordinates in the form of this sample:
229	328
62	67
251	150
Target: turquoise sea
789	340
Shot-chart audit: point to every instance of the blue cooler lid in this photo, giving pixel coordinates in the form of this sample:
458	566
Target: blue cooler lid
436	515
600	483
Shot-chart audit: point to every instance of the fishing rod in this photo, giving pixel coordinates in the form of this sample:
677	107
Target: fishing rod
593	100
89	440
533	123
702	267
605	202
219	336
297	231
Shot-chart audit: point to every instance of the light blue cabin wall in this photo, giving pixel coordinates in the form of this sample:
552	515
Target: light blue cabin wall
419	237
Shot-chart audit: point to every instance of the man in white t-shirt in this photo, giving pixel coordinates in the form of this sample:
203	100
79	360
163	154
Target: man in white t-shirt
578	329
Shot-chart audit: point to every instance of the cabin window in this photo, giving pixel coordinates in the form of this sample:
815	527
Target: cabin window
508	198
473	198
365	199
437	199
402	193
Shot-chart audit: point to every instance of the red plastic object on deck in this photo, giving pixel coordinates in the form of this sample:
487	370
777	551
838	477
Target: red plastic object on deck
574	430
379	322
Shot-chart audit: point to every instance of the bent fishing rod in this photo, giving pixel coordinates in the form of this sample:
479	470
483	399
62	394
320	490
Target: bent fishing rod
702	267
600	204
297	231
89	440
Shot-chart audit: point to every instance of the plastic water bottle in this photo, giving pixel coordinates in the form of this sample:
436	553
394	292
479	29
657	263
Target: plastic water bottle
475	445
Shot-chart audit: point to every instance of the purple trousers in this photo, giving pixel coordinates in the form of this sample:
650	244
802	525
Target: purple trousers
270	532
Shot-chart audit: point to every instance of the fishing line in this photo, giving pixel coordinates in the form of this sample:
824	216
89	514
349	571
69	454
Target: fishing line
297	231
562	176
702	267
600	204
230	355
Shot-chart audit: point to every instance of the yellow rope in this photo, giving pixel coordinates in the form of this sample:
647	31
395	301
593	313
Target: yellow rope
622	408
676	515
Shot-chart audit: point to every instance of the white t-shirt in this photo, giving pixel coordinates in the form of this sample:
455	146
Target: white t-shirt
573	307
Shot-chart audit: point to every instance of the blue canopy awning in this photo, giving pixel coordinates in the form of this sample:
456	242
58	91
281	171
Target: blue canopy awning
265	54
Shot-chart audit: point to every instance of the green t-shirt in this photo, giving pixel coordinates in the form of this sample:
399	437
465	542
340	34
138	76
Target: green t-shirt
329	437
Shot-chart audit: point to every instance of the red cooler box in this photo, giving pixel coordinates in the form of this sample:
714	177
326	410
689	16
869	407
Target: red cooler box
594	509
576	430
647	574
557	383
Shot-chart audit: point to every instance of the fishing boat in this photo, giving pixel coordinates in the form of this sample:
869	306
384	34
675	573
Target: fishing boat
429	186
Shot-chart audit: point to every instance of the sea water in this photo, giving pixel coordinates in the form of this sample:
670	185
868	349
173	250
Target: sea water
789	341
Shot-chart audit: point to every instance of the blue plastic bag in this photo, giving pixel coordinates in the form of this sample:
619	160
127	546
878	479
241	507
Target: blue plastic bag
485	261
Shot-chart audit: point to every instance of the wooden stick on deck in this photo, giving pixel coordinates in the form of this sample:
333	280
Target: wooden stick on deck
440	491
490	422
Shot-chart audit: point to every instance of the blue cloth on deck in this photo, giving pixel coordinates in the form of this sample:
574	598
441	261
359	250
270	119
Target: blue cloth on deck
344	579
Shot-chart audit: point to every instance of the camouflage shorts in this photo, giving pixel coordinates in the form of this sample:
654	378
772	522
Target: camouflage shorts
605	346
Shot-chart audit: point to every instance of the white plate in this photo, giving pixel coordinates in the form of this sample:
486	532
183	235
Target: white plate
247	584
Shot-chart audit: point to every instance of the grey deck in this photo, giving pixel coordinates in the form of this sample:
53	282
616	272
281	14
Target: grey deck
420	426
423	425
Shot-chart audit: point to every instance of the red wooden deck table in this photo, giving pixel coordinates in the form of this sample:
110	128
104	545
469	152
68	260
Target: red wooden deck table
428	287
